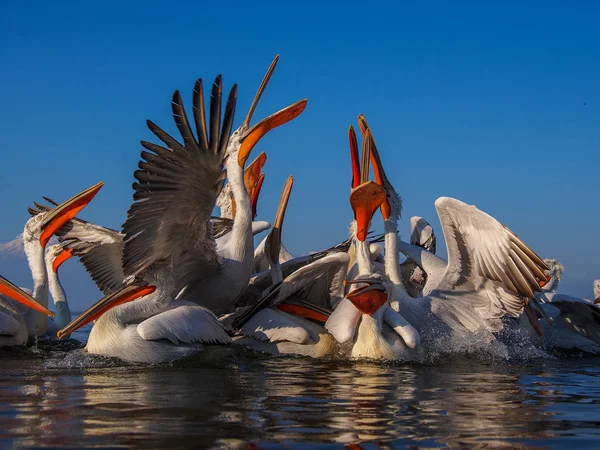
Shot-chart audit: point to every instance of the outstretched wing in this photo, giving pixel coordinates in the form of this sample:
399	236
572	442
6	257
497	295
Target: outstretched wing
98	248
176	190
489	267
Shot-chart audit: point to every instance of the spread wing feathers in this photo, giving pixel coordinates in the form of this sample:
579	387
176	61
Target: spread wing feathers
99	249
301	279
580	317
184	322
175	193
487	263
221	226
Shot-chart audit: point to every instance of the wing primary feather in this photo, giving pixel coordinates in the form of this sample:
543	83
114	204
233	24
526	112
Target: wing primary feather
215	113
200	114
521	283
164	136
181	121
228	119
533	283
528	251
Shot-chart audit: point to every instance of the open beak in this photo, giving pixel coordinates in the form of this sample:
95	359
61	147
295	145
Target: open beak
543	283
254	134
252	172
274	238
64	212
368	298
61	258
256	193
365	199
354	157
380	176
12	291
124	295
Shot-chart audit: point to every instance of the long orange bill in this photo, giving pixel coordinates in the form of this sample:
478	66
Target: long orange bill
259	92
12	291
544	282
368	298
58	216
365	199
303	311
256	133
124	295
273	242
61	258
256	193
354	157
252	172
380	176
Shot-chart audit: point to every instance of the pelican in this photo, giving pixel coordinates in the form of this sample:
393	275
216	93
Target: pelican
596	291
170	264
574	321
365	318
13	330
283	321
54	258
421	234
490	272
38	231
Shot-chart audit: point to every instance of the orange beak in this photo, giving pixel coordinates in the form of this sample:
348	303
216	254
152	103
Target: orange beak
256	193
256	133
57	217
252	135
368	298
380	177
124	295
61	258
12	291
543	283
252	172
354	157
303	311
273	241
365	199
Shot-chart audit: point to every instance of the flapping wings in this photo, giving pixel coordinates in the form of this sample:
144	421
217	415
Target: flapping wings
176	189
487	263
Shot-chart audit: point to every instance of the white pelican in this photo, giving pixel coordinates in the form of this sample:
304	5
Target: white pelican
13	330
365	317
596	291
169	242
38	231
421	234
282	321
55	257
575	322
490	272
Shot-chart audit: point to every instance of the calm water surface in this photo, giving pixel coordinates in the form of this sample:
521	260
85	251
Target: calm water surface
56	396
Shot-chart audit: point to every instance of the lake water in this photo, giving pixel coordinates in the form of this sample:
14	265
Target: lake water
57	396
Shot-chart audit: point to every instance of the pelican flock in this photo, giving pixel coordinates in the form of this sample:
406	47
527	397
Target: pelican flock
177	279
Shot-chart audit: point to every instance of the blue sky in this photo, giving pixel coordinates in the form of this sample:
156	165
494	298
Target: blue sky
497	105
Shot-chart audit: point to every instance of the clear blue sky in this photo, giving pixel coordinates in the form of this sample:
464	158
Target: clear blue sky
497	105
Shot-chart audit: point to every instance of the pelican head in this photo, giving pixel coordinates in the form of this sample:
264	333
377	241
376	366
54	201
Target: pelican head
42	226
596	291
243	140
422	234
391	209
371	294
553	275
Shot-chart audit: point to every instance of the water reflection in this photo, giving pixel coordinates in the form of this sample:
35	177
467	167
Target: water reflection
232	400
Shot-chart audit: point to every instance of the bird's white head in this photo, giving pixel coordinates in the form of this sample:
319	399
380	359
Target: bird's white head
554	274
596	291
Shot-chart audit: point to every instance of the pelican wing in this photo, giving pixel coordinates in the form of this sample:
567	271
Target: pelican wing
184	322
489	267
99	249
175	192
9	324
